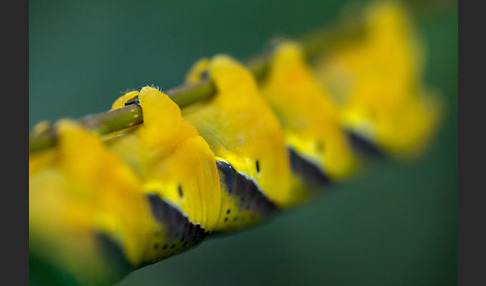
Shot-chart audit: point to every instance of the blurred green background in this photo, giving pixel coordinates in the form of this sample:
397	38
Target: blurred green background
395	226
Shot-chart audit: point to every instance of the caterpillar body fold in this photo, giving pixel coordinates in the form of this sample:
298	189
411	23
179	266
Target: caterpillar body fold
101	206
376	84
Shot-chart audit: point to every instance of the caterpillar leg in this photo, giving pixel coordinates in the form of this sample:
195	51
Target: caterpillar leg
318	147
87	218
247	141
376	82
177	170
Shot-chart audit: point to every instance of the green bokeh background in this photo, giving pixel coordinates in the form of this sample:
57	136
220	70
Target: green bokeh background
395	226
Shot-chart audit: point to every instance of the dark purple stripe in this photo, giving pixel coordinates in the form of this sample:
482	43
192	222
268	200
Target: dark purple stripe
245	190
311	176
363	145
179	228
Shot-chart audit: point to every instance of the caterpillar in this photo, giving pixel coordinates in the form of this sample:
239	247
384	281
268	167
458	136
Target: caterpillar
102	206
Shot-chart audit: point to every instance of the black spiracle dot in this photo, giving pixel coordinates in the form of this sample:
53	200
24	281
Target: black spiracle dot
172	246
181	194
204	74
228	211
257	163
320	146
164	247
225	219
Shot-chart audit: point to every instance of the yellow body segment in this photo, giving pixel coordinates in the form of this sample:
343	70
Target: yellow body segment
171	159
376	83
83	190
307	114
240	127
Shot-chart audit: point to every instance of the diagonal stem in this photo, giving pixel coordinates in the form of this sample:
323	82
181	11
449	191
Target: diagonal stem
103	123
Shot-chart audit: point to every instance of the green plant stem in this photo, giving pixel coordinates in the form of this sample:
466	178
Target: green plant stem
313	44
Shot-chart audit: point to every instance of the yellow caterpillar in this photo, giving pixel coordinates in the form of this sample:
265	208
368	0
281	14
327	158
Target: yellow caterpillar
376	83
102	206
